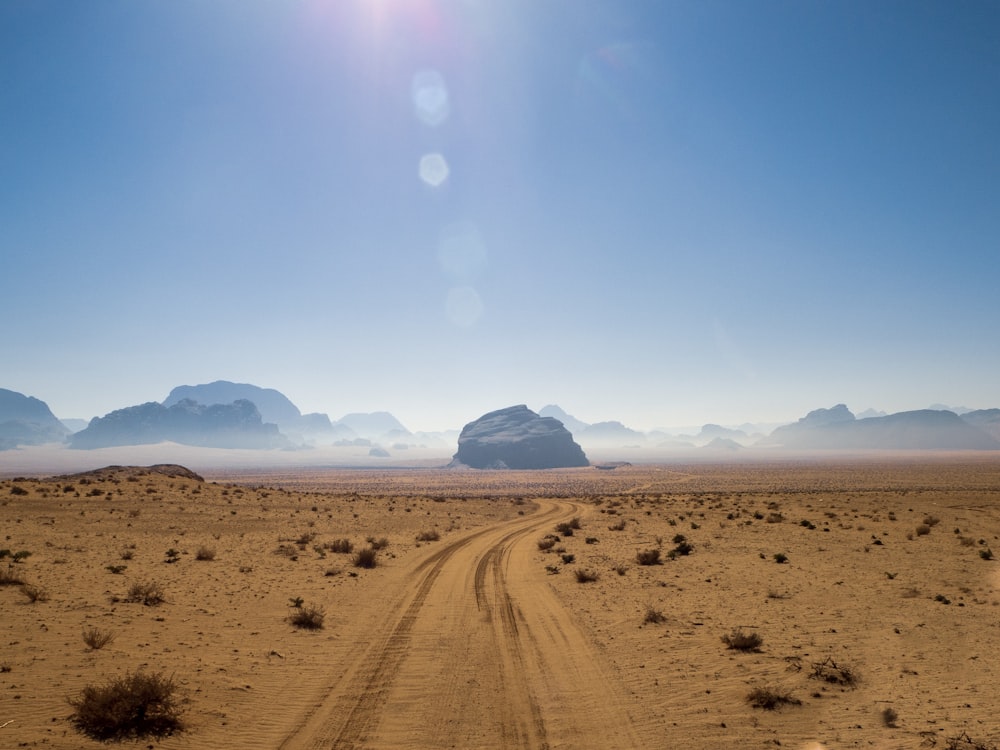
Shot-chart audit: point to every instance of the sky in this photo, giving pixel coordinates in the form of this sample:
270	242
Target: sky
651	211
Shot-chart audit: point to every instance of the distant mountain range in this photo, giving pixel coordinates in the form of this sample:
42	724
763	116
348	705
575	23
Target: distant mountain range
241	415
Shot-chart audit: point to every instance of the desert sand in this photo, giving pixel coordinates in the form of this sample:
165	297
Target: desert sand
529	622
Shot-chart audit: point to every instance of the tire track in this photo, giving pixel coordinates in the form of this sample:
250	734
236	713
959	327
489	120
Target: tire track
360	695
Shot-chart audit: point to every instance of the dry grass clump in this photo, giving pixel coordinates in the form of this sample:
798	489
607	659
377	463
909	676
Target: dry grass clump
648	557
740	640
770	698
340	546
829	671
889	717
428	536
10	577
965	742
308	618
34	593
96	639
653	616
923	529
547	542
584	575
205	553
377	544
149	593
134	705
367	557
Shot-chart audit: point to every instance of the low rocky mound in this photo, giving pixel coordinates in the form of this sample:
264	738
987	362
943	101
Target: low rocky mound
116	472
517	438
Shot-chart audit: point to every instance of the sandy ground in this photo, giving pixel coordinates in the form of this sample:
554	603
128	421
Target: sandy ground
482	639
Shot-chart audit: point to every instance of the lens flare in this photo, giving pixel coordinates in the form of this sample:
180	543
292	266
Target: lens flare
430	98
463	306
433	169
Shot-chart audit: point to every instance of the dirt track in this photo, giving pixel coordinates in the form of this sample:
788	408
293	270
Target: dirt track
480	653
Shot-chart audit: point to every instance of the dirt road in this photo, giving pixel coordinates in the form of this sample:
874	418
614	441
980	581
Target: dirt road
475	652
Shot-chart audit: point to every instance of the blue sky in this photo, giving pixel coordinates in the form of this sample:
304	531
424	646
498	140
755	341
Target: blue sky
664	213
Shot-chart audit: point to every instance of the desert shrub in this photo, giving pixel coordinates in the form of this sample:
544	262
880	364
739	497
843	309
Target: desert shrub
565	529
684	548
305	538
923	529
780	557
15	490
307	618
340	546
34	593
653	616
740	640
620	526
890	717
648	557
10	577
127	554
774	518
366	557
96	638
137	704
428	536
620	569
574	522
568	557
591	540
377	544
547	542
931	520
586	576
964	742
770	698
986	554
115	569
149	593
829	671
172	555
21	555
204	553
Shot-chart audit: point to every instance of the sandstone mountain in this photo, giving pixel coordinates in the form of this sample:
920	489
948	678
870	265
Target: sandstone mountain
274	406
235	425
25	420
924	429
517	438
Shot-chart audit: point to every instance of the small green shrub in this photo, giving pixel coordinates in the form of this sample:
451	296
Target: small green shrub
135	705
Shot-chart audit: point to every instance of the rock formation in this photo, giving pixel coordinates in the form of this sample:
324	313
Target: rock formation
235	425
25	420
517	438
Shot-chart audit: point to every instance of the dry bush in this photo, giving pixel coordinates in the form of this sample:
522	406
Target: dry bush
964	742
740	640
829	671
774	518
149	593
377	544
10	577
96	639
923	529
653	615
308	618
620	526
648	557
584	575
34	593
340	546
890	717
366	557
931	520
770	698
565	529
547	542
428	536
137	704
204	553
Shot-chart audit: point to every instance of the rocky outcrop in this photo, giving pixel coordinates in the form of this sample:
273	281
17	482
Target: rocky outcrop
25	420
517	438
235	425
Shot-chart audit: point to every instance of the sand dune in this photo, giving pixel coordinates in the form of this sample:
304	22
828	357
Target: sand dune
481	639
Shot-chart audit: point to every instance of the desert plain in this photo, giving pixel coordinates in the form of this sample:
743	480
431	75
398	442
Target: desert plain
580	608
